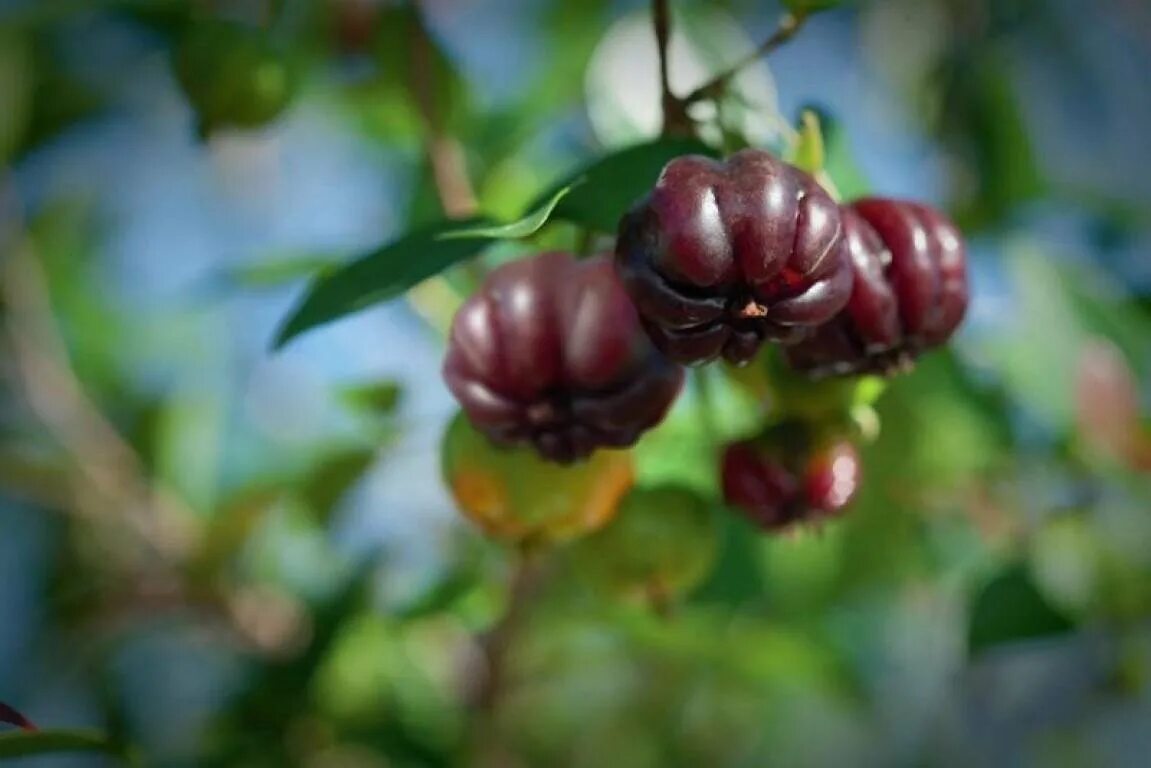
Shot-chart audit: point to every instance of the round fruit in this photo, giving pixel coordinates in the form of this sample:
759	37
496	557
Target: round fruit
722	256
777	488
661	544
549	352
233	75
515	496
910	291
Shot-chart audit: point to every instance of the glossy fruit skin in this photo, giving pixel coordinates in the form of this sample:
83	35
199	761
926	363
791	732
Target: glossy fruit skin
909	293
662	542
234	75
549	352
723	256
777	489
517	497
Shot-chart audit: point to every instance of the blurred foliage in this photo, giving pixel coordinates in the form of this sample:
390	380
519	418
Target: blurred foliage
1003	520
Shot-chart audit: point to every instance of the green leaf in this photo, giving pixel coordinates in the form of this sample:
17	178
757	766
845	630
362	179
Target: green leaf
808	7
444	595
333	478
1011	609
599	194
28	743
808	154
272	699
838	161
380	398
270	274
737	580
525	227
610	185
380	275
983	122
16	83
231	526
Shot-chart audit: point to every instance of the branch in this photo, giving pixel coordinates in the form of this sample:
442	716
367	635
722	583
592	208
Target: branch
33	482
496	644
108	479
676	121
445	153
788	26
661	19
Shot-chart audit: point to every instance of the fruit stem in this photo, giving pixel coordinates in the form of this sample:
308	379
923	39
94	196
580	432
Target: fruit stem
661	20
788	26
676	121
445	154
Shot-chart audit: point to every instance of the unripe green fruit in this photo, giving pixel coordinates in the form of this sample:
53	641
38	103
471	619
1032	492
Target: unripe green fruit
234	75
662	543
518	497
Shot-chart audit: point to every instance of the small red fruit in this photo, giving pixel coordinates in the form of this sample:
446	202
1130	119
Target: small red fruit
776	490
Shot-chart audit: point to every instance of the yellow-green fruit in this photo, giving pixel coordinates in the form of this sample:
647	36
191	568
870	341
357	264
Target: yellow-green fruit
234	75
515	496
661	544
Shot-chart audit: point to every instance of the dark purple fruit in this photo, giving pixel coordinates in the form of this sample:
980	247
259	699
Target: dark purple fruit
910	291
722	256
777	489
550	352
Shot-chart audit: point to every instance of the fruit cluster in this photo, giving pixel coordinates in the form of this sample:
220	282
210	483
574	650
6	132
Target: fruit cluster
566	356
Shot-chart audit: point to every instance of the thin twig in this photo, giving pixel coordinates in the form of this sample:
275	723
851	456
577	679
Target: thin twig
109	478
676	121
661	20
102	479
788	26
445	153
41	484
496	644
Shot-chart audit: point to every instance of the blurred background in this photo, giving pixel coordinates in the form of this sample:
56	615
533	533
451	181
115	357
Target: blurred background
225	555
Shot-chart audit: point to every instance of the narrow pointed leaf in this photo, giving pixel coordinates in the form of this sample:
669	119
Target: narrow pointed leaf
525	227
603	190
809	154
380	275
597	195
28	743
1011	609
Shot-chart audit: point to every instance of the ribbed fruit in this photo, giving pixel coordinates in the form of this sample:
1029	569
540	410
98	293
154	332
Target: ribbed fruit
550	353
723	256
909	292
776	487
